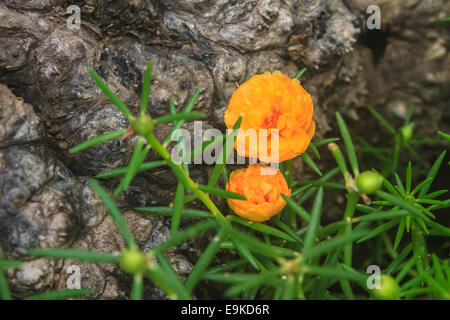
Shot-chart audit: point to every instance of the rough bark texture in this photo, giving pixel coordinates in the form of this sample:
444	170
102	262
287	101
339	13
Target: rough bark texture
52	104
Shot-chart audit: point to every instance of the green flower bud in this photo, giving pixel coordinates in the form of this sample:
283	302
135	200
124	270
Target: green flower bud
143	125
369	182
407	132
389	289
133	261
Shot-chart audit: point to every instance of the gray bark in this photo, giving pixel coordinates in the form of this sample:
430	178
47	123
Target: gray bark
45	200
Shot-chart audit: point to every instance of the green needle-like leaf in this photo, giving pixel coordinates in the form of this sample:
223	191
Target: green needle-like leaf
146	87
229	266
261	227
224	154
409	114
338	241
111	95
340	160
166	211
314	150
179	116
399	183
297	208
97	140
346	289
380	118
326	141
187	109
402	204
300	73
312	190
288	230
432	174
199	268
437	286
314	223
393	266
388	185
136	160
74	254
379	230
259	247
395	154
115	214
119	172
207	145
175	281
438	269
184	235
329	229
172	278
382	215
415	281
435	195
221	193
444	230
7	263
310	162
337	273
246	254
318	183
348	144
399	235
177	208
172	108
62	294
252	282
299	191
408	177
444	135
5	294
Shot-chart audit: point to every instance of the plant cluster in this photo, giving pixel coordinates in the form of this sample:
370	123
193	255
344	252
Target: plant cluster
294	255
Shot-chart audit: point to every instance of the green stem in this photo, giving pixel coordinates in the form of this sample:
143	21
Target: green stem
299	289
389	246
292	218
5	294
352	200
419	247
200	194
288	172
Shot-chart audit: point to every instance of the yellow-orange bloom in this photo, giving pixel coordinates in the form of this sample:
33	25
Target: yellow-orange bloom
261	185
272	101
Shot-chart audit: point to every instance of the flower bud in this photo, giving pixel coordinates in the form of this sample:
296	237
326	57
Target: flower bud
407	132
389	289
369	182
143	125
133	261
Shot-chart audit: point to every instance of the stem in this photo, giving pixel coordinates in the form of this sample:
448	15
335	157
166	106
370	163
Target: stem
352	200
288	172
299	287
200	194
419	247
292	218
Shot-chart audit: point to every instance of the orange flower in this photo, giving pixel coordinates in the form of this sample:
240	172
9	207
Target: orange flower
272	101
261	185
